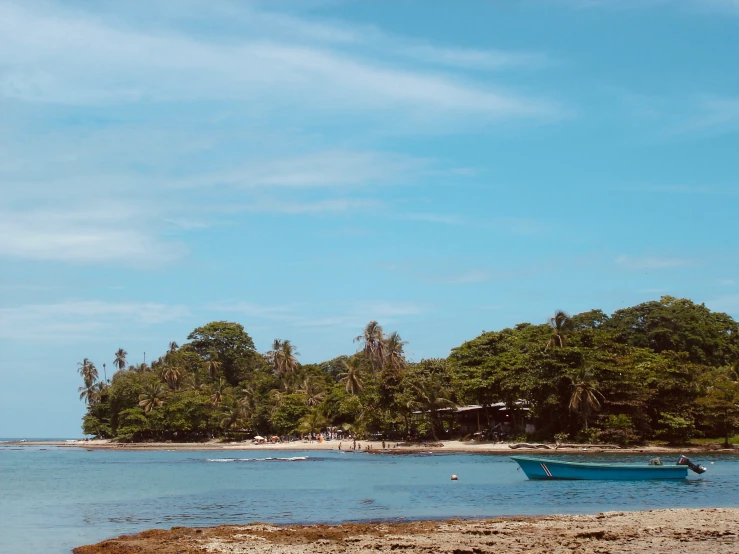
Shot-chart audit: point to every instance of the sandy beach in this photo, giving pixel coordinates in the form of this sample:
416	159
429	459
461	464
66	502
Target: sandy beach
377	448
658	531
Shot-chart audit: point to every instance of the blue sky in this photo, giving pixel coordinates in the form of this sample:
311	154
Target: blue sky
305	167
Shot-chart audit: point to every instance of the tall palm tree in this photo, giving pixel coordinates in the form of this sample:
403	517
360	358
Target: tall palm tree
90	393
120	359
87	370
154	396
273	356
394	351
171	350
561	324
212	364
585	397
373	344
288	357
282	357
352	375
218	390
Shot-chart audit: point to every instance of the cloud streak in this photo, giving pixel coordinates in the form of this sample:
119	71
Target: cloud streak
77	320
649	262
68	58
86	237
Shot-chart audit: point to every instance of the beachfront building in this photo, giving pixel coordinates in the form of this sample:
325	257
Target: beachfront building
494	421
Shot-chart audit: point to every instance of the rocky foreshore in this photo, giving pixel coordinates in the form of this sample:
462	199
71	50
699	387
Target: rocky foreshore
664	531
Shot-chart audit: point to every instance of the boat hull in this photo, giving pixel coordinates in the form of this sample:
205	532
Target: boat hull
538	468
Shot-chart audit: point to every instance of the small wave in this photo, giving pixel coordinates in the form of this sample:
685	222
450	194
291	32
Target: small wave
223	460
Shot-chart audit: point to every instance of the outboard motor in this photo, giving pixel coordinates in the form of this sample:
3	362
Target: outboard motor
684	461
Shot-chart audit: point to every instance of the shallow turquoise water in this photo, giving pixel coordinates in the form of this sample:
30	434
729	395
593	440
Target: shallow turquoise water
52	499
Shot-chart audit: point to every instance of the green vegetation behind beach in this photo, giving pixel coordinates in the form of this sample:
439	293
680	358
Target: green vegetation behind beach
662	370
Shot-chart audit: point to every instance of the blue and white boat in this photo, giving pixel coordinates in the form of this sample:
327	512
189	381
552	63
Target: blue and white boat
539	468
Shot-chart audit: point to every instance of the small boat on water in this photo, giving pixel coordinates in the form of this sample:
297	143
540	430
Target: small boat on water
539	468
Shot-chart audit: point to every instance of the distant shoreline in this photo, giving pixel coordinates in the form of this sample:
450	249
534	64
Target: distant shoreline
681	530
375	447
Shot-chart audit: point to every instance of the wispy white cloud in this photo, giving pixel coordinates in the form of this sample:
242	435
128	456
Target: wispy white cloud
249	309
291	316
186	124
713	115
78	59
386	309
649	262
507	225
78	320
321	169
728	303
683	189
467	277
446	219
694	6
88	237
315	207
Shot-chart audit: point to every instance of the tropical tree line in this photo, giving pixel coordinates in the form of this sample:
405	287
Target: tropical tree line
664	369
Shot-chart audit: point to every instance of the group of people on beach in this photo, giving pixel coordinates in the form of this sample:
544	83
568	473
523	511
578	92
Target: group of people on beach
367	447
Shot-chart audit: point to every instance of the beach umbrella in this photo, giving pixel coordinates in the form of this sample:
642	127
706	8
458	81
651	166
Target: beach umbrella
258	438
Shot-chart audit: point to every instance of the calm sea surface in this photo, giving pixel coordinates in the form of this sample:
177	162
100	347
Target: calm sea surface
52	499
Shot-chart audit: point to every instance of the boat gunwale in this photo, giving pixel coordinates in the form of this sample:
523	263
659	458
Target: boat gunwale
598	464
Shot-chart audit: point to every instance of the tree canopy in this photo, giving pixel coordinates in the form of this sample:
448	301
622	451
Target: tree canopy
663	370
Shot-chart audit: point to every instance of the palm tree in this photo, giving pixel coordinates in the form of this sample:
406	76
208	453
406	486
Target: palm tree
154	395
88	370
353	375
172	375
288	357
561	324
249	401
212	364
273	356
314	391
374	344
312	422
394	351
233	416
282	357
90	393
120	359
585	397
173	346
430	396
217	391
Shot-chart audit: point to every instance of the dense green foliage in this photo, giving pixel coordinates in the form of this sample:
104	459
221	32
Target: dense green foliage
661	370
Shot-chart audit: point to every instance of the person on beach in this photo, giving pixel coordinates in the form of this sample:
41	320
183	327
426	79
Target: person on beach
383	445
339	446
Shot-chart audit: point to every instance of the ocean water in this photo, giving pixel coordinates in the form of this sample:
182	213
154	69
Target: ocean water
52	499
